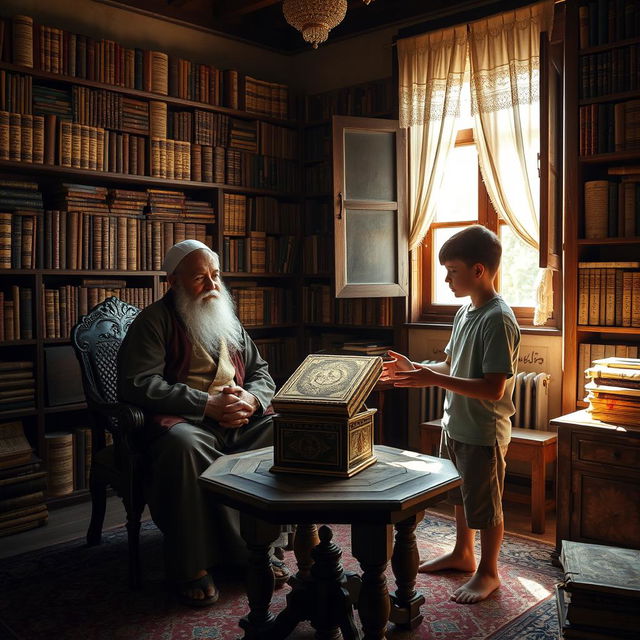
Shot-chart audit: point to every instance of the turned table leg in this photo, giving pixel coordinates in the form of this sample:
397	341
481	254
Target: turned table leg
258	535
406	601
371	546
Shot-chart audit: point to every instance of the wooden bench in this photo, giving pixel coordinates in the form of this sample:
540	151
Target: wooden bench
538	448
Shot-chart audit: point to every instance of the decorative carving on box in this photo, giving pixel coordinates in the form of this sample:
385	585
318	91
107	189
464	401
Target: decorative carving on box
322	426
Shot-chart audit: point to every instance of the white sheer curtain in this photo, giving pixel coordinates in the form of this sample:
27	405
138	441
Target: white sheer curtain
504	53
431	74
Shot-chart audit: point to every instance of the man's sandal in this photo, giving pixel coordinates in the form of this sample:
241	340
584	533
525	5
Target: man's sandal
203	583
281	573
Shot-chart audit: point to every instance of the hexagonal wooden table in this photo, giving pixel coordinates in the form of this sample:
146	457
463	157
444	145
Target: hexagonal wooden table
391	493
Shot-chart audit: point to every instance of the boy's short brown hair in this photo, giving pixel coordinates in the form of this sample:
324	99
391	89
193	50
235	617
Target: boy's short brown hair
473	245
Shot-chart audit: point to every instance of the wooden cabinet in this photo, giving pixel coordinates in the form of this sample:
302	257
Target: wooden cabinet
598	482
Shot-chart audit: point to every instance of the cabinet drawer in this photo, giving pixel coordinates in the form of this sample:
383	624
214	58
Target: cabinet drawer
608	453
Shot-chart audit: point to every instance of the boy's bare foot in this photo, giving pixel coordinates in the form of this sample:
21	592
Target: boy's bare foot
451	561
478	588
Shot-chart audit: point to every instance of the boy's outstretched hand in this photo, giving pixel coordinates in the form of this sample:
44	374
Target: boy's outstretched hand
404	373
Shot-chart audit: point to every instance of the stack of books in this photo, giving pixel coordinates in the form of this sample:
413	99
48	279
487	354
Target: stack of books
22	482
17	386
600	596
366	348
614	390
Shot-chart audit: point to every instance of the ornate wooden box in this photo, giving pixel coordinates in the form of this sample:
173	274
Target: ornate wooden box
323	426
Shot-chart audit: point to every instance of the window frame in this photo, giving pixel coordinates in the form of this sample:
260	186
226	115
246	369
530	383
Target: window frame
488	217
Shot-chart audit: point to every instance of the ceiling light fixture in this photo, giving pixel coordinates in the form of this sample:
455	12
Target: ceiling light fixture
315	18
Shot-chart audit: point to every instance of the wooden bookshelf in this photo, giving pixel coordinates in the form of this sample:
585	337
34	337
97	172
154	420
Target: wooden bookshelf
43	417
606	87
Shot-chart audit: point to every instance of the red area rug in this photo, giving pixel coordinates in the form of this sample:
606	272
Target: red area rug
71	591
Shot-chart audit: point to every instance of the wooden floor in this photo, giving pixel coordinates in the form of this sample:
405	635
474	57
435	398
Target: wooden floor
68	523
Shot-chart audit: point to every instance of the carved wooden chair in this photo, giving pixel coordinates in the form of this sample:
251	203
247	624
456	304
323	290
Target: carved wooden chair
96	339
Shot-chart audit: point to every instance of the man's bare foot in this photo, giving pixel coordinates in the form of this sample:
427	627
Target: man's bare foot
451	561
200	591
478	588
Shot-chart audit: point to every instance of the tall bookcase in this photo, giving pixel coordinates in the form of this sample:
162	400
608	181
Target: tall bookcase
344	324
181	115
329	321
602	204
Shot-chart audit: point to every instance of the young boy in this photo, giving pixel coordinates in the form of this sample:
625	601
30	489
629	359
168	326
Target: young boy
478	374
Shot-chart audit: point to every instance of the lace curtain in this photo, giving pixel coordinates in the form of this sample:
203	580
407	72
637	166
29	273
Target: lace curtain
504	54
431	75
504	59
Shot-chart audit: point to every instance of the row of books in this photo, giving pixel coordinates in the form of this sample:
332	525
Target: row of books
17	385
68	461
318	217
598	598
609	294
605	21
373	98
63	307
170	159
22	482
280	353
242	214
318	178
590	351
16	314
612	71
317	143
317	254
259	253
605	128
18	244
75	240
612	207
614	390
109	110
258	306
261	172
15	92
22	137
319	306
54	50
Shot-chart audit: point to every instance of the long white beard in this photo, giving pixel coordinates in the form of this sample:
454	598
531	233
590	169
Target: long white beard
210	320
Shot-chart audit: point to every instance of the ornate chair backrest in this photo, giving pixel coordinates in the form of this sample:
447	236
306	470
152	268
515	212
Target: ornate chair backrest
96	340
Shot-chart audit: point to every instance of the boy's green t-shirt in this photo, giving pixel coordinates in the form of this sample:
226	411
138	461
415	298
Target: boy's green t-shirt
483	340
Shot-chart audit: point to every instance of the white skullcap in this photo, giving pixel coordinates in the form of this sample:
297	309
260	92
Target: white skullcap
181	250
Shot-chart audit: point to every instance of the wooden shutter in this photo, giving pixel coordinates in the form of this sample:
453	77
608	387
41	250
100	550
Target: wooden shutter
550	153
370	211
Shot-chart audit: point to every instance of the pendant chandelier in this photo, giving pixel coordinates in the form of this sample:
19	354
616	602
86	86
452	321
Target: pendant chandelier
315	18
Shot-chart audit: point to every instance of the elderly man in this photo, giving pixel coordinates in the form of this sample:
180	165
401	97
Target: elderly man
188	362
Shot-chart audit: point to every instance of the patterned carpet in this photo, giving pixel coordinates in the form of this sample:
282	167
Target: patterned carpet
75	592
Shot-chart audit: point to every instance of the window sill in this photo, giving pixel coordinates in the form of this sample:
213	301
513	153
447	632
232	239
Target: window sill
444	326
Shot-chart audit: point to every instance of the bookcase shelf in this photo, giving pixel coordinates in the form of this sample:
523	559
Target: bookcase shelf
65	408
253	276
581	328
17	343
109	177
589	70
145	95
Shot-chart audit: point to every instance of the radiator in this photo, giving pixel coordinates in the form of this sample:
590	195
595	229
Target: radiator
530	397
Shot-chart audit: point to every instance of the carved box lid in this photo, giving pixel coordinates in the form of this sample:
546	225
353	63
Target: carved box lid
329	384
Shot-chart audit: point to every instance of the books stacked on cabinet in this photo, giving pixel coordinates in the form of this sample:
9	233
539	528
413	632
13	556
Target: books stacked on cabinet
590	351
614	390
22	482
600	596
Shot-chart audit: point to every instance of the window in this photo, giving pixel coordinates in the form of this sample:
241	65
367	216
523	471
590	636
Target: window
465	202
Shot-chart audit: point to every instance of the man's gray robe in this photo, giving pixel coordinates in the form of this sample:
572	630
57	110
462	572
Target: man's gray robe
198	533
